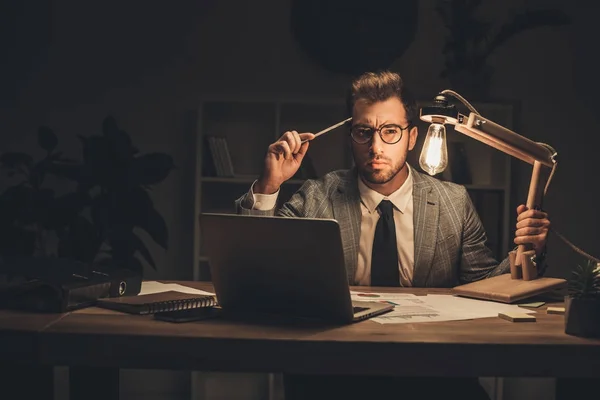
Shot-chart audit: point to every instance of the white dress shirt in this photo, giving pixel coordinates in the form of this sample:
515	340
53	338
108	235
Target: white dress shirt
370	199
403	219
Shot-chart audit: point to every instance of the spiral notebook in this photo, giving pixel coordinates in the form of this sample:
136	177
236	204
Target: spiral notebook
157	302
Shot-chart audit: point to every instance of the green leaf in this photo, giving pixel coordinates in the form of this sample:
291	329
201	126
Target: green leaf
156	227
585	281
525	21
19	201
100	213
139	245
150	169
119	142
65	209
15	241
65	170
132	264
96	153
82	242
47	139
13	160
109	126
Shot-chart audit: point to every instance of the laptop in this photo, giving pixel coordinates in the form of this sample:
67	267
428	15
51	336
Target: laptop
276	265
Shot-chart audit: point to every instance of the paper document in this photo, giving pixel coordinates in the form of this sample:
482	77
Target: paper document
368	296
149	287
434	308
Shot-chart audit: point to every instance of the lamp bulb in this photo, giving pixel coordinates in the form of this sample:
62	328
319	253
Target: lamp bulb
434	156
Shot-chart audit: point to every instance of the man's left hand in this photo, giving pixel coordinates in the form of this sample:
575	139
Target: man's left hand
532	227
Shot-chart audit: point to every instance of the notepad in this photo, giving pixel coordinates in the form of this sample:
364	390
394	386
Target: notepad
503	289
157	302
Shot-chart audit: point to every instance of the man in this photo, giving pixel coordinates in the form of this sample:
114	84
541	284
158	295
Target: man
437	237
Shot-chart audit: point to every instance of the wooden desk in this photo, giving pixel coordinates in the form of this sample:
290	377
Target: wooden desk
19	355
483	347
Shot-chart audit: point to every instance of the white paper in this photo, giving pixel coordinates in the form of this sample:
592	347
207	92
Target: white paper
435	308
149	287
370	296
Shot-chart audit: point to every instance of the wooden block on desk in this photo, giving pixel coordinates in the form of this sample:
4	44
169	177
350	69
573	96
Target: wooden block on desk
517	317
555	310
535	304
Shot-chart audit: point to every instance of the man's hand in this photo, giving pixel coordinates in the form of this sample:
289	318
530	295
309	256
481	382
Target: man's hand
282	161
532	227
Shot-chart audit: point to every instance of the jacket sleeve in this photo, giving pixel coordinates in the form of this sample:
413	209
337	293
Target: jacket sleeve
299	205
244	205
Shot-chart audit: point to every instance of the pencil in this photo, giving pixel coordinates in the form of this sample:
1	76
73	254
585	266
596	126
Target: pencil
332	127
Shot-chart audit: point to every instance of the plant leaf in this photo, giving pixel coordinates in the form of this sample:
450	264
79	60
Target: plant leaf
156	227
20	202
100	213
65	170
82	240
585	281
16	241
13	160
133	264
139	245
119	142
150	169
47	139
109	126
65	209
525	21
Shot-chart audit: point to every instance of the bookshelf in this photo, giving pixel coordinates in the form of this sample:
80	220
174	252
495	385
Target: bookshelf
250	125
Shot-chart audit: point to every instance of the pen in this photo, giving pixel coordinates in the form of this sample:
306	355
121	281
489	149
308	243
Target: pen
329	128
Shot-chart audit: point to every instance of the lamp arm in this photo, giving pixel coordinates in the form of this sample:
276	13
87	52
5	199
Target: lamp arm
552	229
505	140
554	159
461	99
539	155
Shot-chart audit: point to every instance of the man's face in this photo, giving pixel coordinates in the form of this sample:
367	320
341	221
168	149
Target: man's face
382	166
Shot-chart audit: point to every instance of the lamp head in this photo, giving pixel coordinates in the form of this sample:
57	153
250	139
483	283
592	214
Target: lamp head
434	155
440	111
480	128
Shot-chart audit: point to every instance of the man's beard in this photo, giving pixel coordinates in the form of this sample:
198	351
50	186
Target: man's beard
380	177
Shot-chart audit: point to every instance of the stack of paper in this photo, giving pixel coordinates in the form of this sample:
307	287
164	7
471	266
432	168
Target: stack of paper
434	307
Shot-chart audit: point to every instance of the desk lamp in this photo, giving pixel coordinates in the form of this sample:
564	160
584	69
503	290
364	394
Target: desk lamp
542	157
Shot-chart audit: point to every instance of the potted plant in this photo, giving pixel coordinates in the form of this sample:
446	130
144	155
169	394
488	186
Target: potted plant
96	222
582	304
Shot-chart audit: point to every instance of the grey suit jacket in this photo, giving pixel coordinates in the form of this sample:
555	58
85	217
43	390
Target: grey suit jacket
450	241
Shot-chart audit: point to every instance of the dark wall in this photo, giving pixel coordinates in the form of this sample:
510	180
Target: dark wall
69	64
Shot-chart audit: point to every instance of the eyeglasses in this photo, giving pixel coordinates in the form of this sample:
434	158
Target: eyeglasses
389	133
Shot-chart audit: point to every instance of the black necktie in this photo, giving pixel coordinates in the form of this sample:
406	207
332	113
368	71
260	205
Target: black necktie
384	260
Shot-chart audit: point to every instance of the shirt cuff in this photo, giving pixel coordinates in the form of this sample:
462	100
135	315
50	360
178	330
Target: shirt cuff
263	202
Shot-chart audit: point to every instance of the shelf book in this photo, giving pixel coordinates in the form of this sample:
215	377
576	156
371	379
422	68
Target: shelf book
220	156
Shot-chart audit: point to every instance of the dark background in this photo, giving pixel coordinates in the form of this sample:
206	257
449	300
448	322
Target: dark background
67	64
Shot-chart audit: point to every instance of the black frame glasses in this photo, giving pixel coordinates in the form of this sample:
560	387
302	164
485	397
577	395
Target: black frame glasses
363	134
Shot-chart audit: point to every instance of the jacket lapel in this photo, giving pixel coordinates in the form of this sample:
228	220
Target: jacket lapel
426	213
346	210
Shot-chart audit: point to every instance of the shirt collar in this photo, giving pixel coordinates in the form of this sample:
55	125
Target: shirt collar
399	198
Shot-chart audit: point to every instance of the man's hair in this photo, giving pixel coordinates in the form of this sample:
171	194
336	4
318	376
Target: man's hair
373	87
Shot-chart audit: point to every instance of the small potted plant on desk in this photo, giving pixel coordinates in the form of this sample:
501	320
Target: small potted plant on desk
582	304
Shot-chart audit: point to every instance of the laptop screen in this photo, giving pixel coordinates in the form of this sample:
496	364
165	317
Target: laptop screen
277	265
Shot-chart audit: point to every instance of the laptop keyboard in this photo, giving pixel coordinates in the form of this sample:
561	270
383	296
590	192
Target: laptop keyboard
358	309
